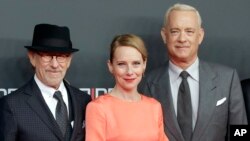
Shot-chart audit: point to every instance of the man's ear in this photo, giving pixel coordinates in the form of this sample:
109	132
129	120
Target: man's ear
163	34
201	35
31	56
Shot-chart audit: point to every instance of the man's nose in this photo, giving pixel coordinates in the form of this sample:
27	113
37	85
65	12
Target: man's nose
182	37
54	61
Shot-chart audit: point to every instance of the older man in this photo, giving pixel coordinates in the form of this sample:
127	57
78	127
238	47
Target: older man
47	108
200	99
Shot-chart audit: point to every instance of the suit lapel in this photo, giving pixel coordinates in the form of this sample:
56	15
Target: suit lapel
74	112
163	90
38	105
207	98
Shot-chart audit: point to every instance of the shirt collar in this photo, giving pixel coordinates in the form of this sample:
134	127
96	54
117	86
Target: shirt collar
175	71
49	91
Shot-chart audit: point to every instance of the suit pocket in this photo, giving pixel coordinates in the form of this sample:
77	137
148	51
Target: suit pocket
220	115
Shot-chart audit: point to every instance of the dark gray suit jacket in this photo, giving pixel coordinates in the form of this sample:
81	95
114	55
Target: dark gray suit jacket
246	93
24	115
220	101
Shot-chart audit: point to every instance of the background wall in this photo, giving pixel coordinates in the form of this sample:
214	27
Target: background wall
93	24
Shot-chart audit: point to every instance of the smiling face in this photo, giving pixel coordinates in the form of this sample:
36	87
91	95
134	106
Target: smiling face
182	35
50	73
127	67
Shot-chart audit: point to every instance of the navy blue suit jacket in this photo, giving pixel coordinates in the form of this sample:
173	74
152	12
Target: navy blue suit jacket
25	116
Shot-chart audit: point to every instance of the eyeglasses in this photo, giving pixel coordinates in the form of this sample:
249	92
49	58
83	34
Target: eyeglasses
47	57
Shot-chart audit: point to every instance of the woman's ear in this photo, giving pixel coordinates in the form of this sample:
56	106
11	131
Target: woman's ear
109	63
145	65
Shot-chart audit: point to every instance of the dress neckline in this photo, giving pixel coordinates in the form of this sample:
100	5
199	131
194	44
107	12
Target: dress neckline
125	101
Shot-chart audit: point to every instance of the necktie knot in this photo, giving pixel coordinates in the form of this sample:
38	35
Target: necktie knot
58	96
184	75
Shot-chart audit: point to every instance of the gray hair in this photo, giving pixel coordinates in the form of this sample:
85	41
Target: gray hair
182	7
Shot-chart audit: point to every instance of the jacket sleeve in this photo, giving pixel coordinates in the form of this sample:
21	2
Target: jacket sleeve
237	114
8	125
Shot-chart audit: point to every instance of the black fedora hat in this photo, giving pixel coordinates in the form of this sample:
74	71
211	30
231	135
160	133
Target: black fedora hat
51	38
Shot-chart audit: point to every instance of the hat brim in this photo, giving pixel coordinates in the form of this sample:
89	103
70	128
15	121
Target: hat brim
52	49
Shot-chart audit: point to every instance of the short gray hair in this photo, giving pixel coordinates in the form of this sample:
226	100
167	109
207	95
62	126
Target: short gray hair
181	7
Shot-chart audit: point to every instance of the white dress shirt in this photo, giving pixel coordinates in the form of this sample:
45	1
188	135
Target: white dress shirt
48	92
193	81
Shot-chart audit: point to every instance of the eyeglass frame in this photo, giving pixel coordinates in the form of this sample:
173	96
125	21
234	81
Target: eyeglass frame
48	57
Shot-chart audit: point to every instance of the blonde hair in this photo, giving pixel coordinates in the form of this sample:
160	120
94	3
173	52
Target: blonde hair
130	40
181	7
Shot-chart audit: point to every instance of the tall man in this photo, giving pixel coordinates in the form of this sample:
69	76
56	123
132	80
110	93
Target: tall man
47	108
200	99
